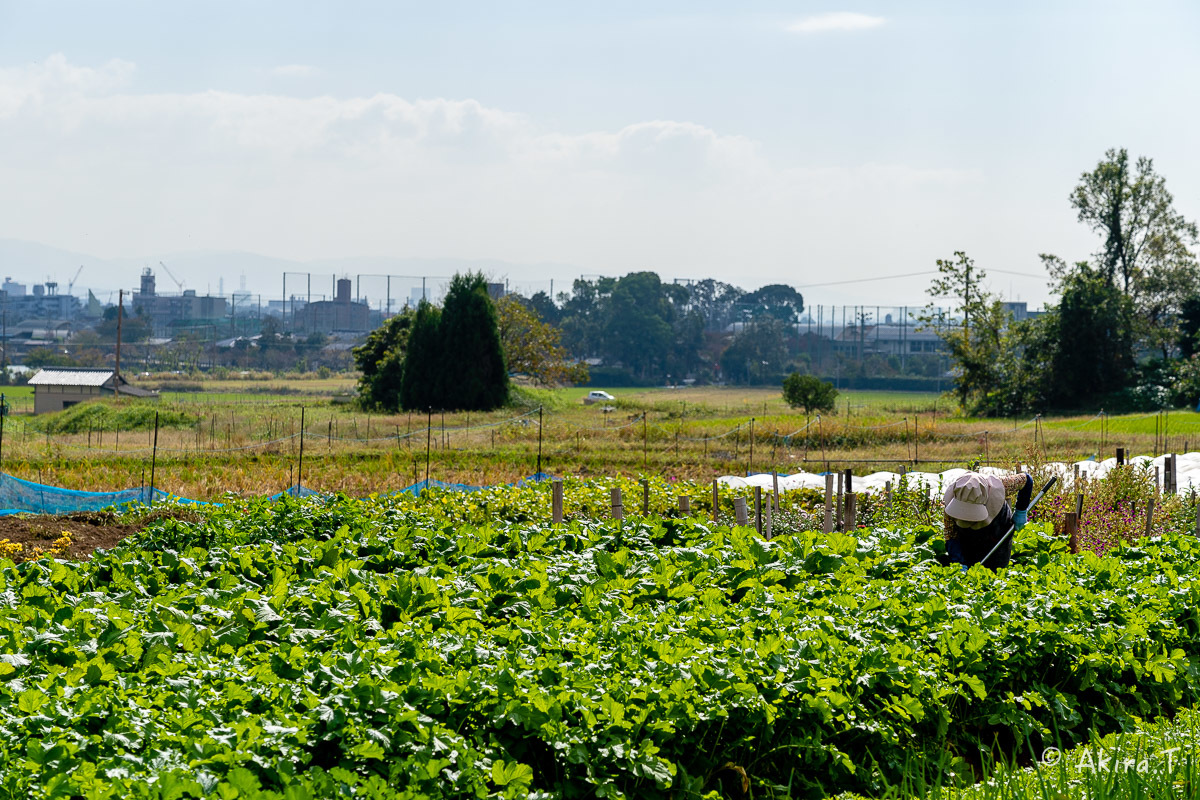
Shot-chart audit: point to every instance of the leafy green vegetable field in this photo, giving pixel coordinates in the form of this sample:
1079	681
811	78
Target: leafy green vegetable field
387	648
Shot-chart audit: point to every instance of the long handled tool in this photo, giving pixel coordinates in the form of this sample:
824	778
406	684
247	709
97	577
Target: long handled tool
1013	527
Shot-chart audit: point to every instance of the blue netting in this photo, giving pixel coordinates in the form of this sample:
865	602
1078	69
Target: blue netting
421	486
19	496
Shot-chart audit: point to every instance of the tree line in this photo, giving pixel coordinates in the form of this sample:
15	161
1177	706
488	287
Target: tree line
634	330
1124	333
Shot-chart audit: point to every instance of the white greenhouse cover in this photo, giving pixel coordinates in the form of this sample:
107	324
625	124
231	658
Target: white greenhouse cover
1187	471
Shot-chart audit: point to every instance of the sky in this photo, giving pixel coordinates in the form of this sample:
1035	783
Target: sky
823	145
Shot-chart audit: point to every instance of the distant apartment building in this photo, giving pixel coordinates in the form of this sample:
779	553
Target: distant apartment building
887	340
1020	310
169	311
339	315
43	302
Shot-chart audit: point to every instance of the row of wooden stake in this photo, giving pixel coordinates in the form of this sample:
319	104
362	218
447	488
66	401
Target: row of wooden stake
764	513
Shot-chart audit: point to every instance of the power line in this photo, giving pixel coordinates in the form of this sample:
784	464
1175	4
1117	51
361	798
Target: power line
867	280
1020	274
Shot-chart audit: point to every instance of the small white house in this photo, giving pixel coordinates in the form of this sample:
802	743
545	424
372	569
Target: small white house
56	388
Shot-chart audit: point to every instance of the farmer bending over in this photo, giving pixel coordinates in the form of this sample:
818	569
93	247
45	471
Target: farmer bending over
978	515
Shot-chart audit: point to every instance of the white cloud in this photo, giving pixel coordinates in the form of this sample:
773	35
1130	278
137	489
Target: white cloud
836	21
295	71
90	164
54	78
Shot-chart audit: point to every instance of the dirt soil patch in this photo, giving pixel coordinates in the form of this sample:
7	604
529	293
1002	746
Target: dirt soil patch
90	531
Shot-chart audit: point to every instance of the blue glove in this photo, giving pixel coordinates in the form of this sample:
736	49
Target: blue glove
1020	518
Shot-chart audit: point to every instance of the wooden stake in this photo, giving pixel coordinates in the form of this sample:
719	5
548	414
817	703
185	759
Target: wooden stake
685	505
851	510
618	511
1071	530
828	523
887	493
837	510
740	513
775	491
645	497
768	524
556	500
716	501
1149	515
758	522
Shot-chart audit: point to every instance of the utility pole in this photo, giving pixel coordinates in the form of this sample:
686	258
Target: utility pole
117	371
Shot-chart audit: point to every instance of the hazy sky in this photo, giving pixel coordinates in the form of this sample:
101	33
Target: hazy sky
755	142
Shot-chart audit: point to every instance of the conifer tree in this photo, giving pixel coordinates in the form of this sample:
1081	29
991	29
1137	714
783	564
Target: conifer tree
473	369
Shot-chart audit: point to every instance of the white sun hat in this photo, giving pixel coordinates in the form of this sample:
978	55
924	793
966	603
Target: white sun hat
974	498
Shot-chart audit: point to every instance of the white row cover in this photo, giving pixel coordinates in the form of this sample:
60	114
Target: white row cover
1187	471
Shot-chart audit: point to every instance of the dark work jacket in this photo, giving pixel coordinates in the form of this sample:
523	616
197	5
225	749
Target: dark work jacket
970	545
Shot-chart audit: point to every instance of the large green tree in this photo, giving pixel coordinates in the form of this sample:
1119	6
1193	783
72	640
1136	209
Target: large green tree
532	345
1093	342
638	332
809	393
1145	242
474	375
776	300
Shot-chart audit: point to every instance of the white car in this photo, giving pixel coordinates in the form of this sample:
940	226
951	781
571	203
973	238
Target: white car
597	396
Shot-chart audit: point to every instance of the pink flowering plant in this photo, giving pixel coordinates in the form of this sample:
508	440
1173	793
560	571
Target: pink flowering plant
1115	509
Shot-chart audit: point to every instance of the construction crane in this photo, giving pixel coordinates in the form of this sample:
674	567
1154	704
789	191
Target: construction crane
178	282
71	283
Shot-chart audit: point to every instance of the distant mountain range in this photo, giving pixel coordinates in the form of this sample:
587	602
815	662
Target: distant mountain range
30	263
